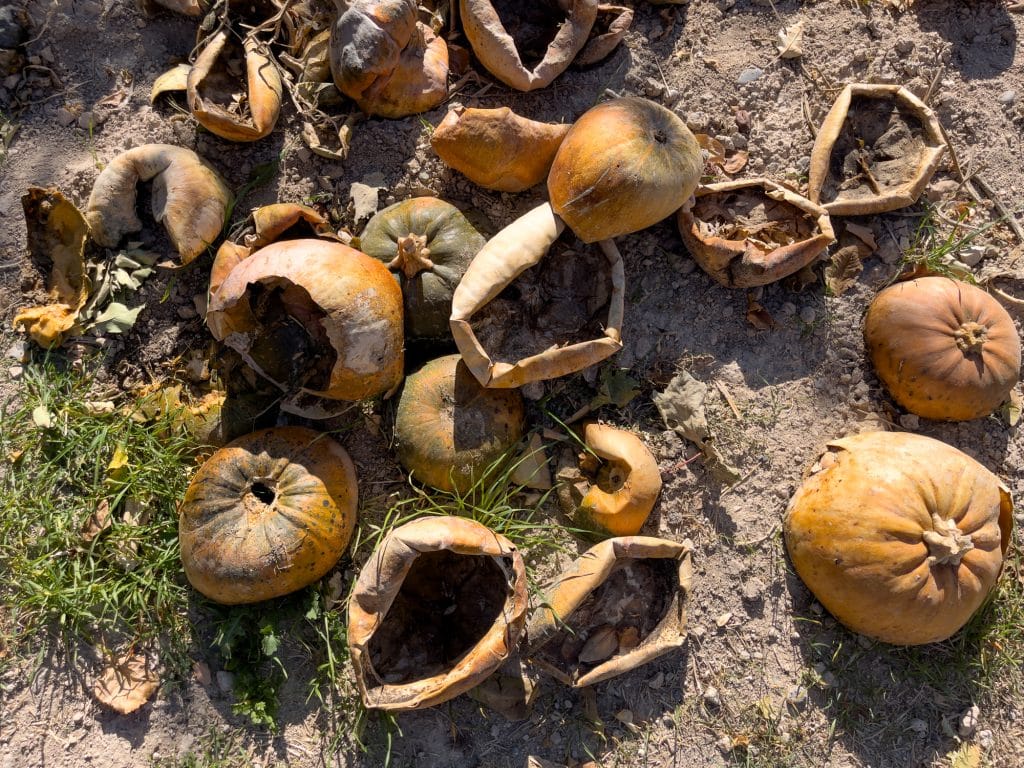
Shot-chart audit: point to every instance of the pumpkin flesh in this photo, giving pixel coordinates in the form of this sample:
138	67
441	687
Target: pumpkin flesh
267	514
899	536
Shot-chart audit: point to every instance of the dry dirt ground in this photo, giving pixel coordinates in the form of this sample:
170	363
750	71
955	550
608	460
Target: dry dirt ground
763	664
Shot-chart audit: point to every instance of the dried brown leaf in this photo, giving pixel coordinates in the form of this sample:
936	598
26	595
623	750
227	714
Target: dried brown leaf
126	684
758	316
599	646
864	234
97	522
791	41
736	163
843	270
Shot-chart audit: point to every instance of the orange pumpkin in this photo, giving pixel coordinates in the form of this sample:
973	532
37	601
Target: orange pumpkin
624	165
901	537
267	514
449	428
944	349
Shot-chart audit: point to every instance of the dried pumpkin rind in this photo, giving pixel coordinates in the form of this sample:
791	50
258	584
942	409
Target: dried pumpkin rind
390	63
380	582
880	200
267	514
263	91
508	254
496	49
901	537
496	148
751	261
449	429
189	197
944	349
584	577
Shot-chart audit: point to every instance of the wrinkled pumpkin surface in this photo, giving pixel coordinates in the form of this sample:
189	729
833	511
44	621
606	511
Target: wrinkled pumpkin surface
267	514
901	537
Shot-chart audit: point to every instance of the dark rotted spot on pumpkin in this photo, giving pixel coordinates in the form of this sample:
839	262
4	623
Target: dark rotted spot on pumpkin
617	616
660	136
263	491
446	604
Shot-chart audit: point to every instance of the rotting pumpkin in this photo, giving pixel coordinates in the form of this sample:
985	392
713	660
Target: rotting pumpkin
267	514
943	348
901	537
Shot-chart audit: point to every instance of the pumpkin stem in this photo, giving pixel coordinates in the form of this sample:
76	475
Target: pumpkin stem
971	337
413	256
946	544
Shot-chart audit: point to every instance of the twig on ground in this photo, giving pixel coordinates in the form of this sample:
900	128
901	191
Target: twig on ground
1005	212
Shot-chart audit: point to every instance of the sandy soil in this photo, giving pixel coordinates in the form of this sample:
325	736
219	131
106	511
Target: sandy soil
758	644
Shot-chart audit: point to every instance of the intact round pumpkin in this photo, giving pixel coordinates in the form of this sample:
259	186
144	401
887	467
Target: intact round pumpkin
267	514
944	349
315	317
449	429
624	165
427	243
901	537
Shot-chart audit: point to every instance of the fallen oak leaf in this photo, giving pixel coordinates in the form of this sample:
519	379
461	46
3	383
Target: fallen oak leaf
126	684
758	316
843	270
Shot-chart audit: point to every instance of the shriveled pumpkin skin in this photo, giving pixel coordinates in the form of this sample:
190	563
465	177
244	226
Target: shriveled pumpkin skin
901	537
427	243
944	349
624	165
448	428
267	514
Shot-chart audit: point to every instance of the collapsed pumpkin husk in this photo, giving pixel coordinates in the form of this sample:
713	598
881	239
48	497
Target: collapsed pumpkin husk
438	608
316	318
427	244
612	489
944	349
449	430
267	514
496	148
752	232
57	234
521	245
876	151
188	196
621	604
213	92
390	63
624	165
901	537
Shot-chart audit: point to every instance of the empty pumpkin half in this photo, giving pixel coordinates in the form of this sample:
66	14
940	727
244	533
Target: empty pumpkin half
901	537
944	349
267	514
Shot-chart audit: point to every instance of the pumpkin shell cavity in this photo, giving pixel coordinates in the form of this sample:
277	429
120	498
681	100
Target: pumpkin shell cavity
944	349
625	165
438	607
901	537
267	514
449	429
428	244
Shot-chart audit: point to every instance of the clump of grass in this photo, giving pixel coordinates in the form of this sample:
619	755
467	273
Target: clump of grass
938	241
65	454
213	750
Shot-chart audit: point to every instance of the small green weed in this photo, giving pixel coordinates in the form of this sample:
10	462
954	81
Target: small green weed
936	244
214	750
88	522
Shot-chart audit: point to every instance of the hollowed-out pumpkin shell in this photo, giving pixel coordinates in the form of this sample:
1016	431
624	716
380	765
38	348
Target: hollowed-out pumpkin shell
615	485
624	165
315	317
390	63
944	349
622	603
752	232
876	151
438	607
449	429
267	514
427	243
901	537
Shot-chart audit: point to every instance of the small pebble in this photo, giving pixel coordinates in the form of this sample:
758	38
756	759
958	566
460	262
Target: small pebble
796	698
918	726
186	312
78	718
712	698
986	740
749	75
968	721
225	681
724	743
808	315
1007	98
909	421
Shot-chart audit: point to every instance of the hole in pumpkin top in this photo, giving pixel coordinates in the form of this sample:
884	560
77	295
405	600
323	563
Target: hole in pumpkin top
446	604
291	346
880	147
562	300
532	25
617	616
263	492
